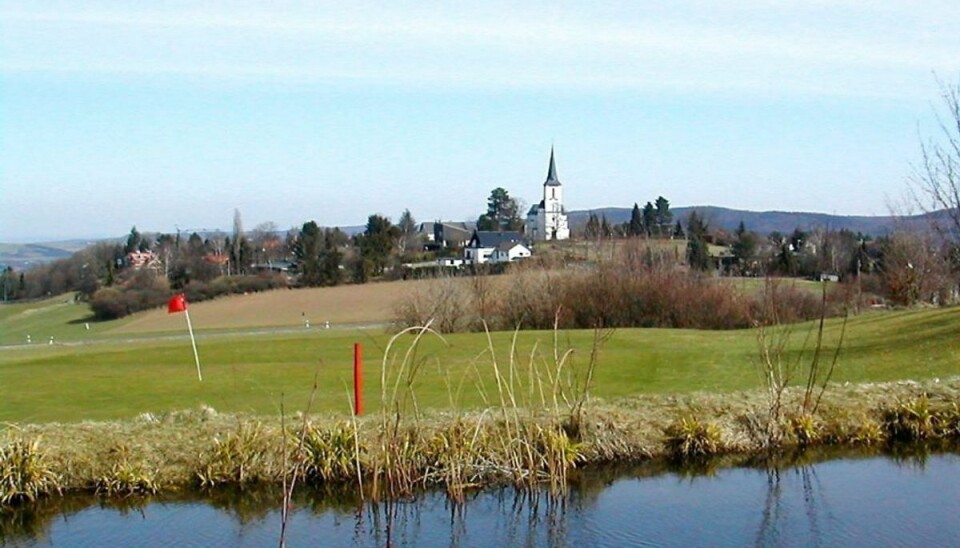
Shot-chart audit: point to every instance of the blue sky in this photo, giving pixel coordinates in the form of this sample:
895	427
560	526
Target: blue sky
173	114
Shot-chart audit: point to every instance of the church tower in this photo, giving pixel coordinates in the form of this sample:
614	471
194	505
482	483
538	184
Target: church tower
548	220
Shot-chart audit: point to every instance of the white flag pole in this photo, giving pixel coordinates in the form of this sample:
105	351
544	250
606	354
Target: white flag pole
193	341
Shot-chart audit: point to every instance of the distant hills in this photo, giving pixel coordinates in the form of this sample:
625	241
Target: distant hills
22	256
765	222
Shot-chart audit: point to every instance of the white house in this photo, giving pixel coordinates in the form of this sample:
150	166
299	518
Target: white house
548	220
508	252
483	244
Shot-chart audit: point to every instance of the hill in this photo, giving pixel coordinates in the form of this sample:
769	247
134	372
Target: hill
22	256
765	222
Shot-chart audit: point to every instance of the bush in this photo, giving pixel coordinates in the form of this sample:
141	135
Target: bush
145	291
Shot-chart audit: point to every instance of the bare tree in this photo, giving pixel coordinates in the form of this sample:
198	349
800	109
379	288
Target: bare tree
936	181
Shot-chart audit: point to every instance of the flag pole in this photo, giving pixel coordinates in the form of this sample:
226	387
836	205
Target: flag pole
193	341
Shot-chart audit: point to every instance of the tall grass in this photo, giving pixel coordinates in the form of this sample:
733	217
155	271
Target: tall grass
25	473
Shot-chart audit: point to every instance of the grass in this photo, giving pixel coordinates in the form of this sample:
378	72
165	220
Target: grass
64	319
114	379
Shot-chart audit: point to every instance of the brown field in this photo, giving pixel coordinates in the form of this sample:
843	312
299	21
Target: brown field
346	304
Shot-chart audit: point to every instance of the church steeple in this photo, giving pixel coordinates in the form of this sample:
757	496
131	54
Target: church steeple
552	179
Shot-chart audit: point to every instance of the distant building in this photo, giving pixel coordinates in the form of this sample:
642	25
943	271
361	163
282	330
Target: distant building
439	235
141	259
508	252
548	220
490	247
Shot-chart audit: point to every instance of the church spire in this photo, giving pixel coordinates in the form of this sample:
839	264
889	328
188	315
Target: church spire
552	179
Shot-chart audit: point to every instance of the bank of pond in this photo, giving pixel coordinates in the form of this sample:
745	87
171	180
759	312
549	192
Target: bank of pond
900	494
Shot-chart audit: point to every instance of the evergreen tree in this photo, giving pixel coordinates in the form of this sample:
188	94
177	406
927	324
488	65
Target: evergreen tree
377	242
307	248
649	219
635	226
330	258
663	215
678	231
503	212
605	230
698	254
592	229
133	241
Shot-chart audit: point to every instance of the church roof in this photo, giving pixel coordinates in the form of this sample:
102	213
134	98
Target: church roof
552	179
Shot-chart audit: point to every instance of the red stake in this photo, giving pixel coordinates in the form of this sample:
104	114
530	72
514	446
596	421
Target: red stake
357	379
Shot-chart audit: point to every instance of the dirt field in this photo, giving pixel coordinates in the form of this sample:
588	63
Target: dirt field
347	304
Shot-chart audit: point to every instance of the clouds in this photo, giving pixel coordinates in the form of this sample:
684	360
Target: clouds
689	47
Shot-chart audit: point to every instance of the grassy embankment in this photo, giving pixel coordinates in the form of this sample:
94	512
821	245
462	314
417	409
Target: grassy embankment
645	380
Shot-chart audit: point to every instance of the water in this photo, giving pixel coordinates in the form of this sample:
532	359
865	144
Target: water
860	501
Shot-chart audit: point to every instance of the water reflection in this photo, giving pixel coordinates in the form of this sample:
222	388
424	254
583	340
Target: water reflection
808	498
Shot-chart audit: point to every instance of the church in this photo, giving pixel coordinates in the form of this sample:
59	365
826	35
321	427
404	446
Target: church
548	220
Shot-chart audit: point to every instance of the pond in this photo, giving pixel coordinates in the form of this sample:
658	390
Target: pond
851	500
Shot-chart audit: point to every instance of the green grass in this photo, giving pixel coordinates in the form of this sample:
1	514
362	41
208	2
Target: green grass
108	379
59	317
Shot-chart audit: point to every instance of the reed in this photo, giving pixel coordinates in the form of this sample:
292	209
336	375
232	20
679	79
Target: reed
127	477
243	456
690	438
25	472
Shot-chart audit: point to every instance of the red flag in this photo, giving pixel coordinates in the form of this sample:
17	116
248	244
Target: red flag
178	303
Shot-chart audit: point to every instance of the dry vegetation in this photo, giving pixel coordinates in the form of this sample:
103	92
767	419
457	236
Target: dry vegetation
456	451
636	286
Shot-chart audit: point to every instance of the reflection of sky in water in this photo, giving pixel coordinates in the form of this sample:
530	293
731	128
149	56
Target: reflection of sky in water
873	501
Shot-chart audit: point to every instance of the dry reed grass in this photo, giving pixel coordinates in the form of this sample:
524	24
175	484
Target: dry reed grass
523	439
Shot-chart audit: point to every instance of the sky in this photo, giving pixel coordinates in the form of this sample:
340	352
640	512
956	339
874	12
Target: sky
172	115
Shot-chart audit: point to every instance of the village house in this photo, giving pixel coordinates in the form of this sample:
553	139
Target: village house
445	235
495	247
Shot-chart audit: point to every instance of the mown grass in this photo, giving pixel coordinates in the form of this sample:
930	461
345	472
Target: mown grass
248	373
60	317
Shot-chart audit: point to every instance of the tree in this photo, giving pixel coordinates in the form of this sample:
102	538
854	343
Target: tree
649	219
330	257
635	227
744	247
238	255
407	227
936	181
698	254
663	215
134	239
9	282
592	230
376	242
678	231
605	230
503	212
307	248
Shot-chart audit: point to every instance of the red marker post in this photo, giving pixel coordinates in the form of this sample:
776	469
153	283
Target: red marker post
357	379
